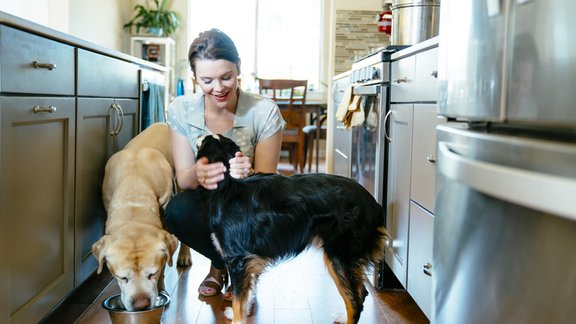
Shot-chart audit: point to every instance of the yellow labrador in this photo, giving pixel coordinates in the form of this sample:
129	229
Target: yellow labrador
138	182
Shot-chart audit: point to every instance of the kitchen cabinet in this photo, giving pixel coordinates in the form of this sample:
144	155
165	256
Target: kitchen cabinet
398	191
420	260
411	186
64	109
96	142
37	128
37	204
107	118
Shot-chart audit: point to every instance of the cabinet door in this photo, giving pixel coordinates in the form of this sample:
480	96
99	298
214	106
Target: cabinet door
420	262
37	203
422	189
398	195
96	120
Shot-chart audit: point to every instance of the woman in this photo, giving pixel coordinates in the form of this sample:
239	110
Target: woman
252	121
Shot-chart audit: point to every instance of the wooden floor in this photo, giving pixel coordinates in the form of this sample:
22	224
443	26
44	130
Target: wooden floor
297	291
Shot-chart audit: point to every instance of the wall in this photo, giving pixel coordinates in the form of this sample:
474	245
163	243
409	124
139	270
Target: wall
99	22
356	34
52	13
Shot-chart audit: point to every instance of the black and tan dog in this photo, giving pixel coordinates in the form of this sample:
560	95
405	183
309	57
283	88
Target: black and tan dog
266	218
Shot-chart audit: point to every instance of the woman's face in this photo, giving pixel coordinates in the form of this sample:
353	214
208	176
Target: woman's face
218	80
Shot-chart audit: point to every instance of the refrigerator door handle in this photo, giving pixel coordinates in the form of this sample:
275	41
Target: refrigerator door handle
540	191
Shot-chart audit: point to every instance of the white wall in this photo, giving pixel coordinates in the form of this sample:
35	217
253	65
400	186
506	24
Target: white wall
100	22
51	13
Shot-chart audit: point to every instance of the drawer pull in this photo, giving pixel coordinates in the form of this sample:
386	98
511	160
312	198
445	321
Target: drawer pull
431	159
404	79
49	66
50	109
434	74
426	269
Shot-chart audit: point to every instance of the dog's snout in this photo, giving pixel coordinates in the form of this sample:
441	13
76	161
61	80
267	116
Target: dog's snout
141	302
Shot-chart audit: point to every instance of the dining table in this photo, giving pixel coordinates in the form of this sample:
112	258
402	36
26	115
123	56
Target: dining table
313	109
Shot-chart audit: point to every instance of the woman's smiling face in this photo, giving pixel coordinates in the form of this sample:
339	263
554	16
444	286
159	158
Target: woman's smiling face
218	80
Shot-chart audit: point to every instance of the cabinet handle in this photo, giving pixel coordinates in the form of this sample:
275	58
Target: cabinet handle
404	79
49	109
431	159
385	121
426	269
434	74
38	65
120	118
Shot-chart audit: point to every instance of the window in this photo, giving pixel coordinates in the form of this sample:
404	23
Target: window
275	39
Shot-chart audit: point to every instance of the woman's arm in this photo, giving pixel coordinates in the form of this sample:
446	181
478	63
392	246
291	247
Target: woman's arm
189	172
267	154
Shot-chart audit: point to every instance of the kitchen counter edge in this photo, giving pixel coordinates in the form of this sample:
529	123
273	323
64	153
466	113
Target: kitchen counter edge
40	30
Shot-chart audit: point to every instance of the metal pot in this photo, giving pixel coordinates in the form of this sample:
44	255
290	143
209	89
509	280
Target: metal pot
414	21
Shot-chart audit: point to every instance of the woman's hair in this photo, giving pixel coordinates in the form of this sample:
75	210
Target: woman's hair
213	45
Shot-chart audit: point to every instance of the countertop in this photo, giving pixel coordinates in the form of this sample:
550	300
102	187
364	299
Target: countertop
420	47
31	27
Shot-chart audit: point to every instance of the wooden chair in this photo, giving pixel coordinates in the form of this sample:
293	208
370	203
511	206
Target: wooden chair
290	95
310	132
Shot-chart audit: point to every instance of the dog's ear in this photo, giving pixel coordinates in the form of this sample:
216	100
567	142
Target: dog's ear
171	246
199	141
98	250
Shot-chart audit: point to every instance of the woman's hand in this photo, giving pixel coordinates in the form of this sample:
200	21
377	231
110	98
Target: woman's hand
240	166
209	174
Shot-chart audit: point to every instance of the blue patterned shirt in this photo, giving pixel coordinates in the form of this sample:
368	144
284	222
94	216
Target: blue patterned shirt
257	118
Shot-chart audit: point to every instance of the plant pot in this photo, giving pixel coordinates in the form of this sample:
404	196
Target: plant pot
154	31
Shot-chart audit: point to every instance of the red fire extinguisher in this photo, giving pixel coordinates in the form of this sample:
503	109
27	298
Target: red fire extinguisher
385	22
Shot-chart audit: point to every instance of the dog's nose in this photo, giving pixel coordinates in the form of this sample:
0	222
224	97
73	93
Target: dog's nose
141	302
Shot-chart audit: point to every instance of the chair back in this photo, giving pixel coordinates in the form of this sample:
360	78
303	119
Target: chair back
290	95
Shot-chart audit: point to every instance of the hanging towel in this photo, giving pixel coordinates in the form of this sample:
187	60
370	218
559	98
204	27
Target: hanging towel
344	103
153	107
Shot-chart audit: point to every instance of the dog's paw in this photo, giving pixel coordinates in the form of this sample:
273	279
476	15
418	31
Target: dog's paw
340	318
184	261
184	257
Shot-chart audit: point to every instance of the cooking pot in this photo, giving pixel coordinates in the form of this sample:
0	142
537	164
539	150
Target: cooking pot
414	21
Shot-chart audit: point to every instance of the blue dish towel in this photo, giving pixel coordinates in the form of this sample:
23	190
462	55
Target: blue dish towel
153	105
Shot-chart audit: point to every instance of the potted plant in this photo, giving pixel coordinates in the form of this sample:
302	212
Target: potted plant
157	21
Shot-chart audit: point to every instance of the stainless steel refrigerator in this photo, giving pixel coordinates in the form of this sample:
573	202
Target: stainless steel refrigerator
505	221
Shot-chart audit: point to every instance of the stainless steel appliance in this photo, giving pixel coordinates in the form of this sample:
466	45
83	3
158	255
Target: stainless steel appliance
414	21
505	223
341	137
370	80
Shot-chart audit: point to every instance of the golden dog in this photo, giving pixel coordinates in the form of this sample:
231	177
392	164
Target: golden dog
138	182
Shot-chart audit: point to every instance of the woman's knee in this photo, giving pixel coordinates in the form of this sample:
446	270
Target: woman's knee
178	211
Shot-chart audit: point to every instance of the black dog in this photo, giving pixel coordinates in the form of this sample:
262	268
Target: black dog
266	218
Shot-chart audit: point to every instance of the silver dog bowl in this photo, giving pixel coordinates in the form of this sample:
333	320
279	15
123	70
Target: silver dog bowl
119	314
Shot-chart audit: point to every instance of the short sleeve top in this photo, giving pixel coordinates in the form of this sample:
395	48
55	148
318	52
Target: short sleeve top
257	118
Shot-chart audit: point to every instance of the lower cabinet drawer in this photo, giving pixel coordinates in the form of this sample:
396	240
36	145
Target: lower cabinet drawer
419	283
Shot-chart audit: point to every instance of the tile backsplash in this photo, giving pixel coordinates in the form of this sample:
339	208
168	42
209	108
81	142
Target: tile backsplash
356	35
